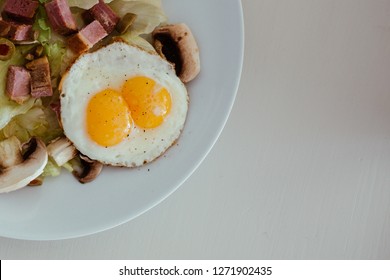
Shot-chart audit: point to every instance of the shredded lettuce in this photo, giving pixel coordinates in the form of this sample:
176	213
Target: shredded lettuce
51	169
149	15
41	25
38	121
55	53
84	4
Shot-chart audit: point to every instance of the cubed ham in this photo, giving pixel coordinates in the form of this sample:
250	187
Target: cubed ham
21	32
18	85
104	14
87	37
40	77
16	31
60	17
20	10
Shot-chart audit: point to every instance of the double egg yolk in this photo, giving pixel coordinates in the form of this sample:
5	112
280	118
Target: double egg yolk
111	114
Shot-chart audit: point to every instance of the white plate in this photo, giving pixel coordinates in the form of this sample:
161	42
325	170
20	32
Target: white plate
63	208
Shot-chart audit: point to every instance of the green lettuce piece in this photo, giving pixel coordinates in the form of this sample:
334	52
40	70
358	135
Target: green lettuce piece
42	25
23	125
55	52
68	166
38	121
84	4
9	108
149	15
51	169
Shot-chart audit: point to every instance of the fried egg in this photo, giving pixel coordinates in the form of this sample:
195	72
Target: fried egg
122	106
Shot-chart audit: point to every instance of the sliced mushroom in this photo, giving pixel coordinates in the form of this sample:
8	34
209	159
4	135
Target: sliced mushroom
21	169
61	150
177	44
89	170
10	152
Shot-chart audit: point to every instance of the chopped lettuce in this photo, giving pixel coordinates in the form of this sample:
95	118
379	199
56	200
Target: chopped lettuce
55	53
38	121
41	25
149	15
51	169
84	4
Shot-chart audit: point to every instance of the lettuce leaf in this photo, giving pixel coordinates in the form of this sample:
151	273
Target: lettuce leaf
51	169
149	14
87	4
84	4
38	121
41	25
55	52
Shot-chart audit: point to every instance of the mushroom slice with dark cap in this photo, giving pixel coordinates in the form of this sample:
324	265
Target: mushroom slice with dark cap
89	170
177	44
17	170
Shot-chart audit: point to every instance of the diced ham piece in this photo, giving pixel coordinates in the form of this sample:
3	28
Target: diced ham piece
21	32
16	31
87	37
20	10
18	84
60	17
104	14
40	77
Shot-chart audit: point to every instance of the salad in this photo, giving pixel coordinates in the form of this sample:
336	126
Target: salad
42	50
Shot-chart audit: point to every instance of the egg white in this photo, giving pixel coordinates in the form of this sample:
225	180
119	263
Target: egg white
109	67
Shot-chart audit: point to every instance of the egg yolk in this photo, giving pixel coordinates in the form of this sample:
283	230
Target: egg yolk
108	118
149	103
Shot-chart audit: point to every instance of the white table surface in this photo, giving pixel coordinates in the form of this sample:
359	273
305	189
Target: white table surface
302	169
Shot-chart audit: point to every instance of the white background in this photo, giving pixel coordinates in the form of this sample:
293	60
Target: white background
302	169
